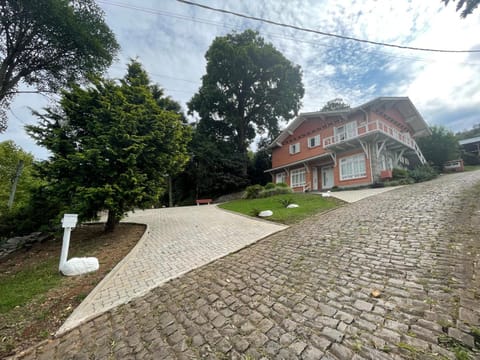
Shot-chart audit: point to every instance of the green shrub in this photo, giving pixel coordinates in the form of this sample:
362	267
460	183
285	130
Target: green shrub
399	174
422	173
269	186
276	191
252	192
286	202
281	185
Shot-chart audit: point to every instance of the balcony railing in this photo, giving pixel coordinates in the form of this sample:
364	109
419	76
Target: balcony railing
371	127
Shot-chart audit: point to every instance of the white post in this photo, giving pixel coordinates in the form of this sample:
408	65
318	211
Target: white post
69	221
65	246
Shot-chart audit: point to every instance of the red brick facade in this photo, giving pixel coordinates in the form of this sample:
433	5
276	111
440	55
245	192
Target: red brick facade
378	131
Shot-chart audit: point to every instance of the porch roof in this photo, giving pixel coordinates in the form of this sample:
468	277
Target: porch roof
300	162
403	104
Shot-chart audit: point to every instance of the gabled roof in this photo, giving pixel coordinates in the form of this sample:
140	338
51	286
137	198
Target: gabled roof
402	104
469	141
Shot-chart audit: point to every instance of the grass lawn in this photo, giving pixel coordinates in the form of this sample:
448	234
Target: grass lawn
309	204
35	299
472	167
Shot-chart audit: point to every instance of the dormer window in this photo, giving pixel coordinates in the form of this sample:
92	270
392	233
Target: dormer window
295	148
314	141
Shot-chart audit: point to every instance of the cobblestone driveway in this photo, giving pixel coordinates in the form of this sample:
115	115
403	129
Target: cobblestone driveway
306	292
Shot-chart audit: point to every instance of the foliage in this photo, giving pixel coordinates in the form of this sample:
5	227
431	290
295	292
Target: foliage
112	146
309	204
275	191
281	185
258	191
48	44
253	191
398	173
261	161
286	202
41	213
10	157
423	173
439	147
214	169
467	134
248	87
335	105
468	6
269	186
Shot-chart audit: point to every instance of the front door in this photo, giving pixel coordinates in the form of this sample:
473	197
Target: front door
327	177
315	179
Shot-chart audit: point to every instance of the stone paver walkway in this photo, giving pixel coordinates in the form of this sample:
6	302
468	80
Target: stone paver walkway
177	240
305	293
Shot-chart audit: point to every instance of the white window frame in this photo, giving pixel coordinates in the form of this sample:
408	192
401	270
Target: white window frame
346	131
294	148
353	167
280	178
316	141
297	177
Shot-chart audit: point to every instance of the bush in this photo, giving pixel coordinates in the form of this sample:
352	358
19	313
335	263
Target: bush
258	191
269	186
252	192
286	202
423	173
283	185
276	191
399	174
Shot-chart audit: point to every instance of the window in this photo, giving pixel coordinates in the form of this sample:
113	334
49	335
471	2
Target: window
297	177
280	178
346	131
314	141
353	167
295	148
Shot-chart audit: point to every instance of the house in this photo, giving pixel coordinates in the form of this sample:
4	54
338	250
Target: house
348	147
471	145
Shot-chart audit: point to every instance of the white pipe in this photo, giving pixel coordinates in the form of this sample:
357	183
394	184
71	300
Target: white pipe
65	246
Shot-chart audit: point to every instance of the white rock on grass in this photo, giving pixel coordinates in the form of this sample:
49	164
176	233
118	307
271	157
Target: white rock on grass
292	206
327	194
265	213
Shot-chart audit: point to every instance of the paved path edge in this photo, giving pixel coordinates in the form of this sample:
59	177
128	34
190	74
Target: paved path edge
62	330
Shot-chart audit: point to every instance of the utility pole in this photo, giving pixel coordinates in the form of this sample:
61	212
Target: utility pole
14	183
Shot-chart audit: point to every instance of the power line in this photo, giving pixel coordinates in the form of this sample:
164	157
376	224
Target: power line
273	35
325	33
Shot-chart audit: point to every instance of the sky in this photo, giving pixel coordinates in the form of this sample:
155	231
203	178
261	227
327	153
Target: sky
171	38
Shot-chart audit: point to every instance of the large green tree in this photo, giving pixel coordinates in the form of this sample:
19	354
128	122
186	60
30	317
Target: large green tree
249	86
439	147
49	43
112	146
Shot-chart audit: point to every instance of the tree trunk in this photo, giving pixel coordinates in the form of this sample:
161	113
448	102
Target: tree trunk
112	221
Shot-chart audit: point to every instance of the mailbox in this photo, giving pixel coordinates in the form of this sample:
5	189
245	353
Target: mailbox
69	220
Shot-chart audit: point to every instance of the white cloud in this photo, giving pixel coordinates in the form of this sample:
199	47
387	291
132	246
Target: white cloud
172	38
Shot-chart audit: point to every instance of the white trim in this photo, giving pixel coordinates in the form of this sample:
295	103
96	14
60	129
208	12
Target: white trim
282	176
316	141
297	177
294	148
356	165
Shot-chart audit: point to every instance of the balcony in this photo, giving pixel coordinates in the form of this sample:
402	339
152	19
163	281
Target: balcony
371	128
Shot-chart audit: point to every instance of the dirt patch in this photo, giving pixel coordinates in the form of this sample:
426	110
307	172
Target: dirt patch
41	317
